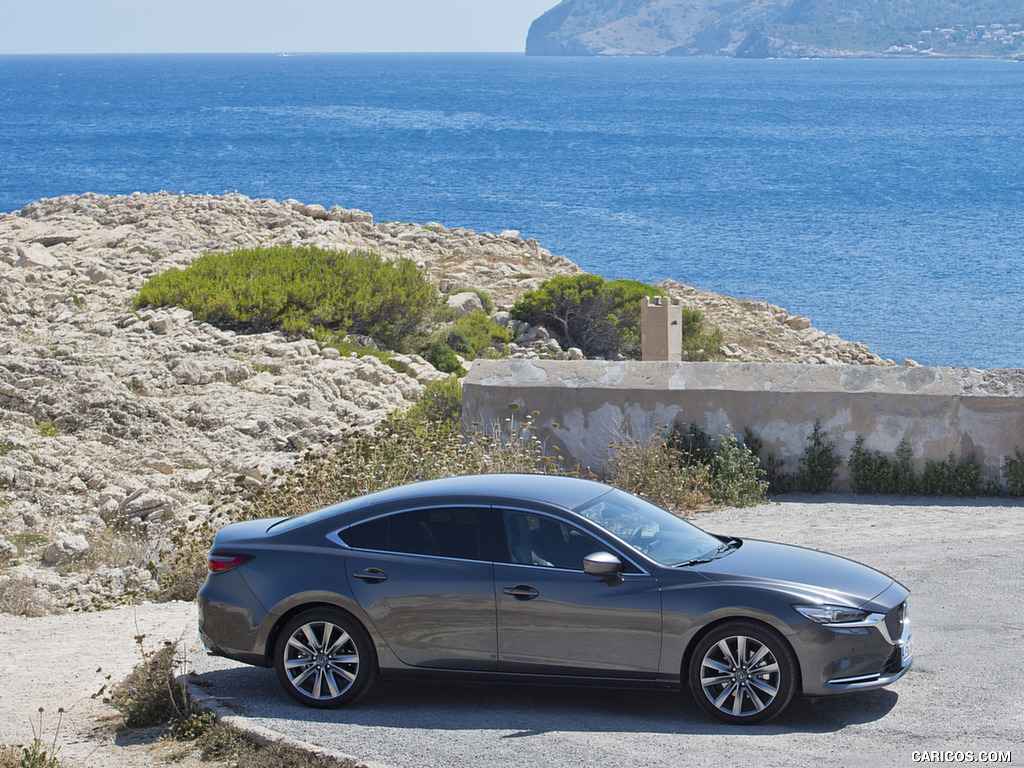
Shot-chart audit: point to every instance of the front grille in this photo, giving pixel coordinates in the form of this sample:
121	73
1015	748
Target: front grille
894	621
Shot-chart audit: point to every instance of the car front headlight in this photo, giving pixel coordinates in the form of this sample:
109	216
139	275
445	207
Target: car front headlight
831	614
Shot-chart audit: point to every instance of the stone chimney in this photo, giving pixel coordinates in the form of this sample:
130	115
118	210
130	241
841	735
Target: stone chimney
661	333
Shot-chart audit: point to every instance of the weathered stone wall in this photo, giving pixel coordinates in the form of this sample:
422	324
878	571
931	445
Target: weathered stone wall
586	405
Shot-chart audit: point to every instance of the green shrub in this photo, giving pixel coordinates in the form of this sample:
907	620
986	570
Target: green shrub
441	401
443	357
694	445
150	695
952	477
875	473
1013	471
299	288
601	318
734	473
819	462
473	334
701	347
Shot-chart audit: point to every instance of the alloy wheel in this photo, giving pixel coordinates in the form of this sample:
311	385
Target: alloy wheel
740	676
321	660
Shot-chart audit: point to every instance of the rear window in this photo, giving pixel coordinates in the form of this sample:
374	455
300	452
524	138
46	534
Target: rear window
455	532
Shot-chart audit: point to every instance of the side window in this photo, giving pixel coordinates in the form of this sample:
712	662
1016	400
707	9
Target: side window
540	540
455	532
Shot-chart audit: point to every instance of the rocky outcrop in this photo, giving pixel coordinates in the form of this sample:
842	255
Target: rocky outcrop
119	427
756	331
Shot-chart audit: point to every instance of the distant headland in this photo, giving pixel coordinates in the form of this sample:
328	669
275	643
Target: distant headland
781	29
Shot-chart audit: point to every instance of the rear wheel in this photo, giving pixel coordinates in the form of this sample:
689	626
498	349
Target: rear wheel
324	658
743	673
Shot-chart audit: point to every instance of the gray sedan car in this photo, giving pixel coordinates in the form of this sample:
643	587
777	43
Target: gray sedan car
536	578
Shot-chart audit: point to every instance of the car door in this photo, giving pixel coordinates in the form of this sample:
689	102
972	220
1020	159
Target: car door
555	619
426	580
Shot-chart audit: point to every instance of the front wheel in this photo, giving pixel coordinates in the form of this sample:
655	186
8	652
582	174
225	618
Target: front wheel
743	673
324	658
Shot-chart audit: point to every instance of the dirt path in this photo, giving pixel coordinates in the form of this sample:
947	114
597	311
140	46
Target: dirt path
53	662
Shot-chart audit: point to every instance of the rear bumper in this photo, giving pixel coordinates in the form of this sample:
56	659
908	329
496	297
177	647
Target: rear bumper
230	628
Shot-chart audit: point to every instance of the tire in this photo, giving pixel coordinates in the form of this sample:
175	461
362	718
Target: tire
324	658
743	673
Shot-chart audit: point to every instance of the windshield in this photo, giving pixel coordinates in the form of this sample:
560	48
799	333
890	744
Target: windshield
648	528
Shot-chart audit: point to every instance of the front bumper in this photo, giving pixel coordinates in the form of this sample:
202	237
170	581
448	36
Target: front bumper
899	659
858	656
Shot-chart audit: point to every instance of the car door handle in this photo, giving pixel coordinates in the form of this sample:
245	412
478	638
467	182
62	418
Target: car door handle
371	575
521	592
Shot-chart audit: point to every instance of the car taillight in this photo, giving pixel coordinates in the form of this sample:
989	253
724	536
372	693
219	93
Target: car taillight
222	563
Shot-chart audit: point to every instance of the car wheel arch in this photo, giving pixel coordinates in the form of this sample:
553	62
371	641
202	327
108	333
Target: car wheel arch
324	657
282	621
743	672
691	646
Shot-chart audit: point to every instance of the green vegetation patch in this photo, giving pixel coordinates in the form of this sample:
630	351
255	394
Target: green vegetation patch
602	317
300	288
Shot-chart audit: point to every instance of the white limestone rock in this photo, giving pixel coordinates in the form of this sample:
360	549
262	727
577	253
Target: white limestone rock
465	303
66	548
35	255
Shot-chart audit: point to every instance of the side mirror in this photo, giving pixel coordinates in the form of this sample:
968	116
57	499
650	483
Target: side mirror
604	565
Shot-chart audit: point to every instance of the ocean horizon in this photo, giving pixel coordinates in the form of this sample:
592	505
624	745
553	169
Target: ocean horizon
882	199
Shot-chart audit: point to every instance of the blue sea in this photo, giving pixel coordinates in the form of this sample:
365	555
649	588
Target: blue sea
884	200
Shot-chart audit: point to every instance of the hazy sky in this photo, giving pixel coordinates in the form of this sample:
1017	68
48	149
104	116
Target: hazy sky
187	26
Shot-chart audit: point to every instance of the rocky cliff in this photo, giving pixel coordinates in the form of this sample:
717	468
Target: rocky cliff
779	28
118	427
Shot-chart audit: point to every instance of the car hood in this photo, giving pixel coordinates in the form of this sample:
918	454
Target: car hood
829	578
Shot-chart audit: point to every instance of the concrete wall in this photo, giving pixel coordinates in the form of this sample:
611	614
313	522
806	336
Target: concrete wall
586	405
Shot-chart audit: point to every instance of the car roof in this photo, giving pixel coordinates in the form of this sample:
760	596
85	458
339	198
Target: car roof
566	492
553	490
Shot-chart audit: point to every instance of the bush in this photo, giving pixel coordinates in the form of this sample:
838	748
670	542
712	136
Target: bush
584	311
441	402
299	288
1013	471
150	695
875	473
737	477
734	472
694	445
952	477
603	318
819	463
443	357
473	334
701	347
656	471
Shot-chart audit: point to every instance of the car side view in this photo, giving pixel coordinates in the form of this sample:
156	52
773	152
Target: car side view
537	578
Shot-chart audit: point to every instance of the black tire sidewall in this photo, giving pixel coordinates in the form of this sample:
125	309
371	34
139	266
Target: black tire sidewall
779	647
364	647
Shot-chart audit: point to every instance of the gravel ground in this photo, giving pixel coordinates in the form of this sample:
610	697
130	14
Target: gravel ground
962	561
